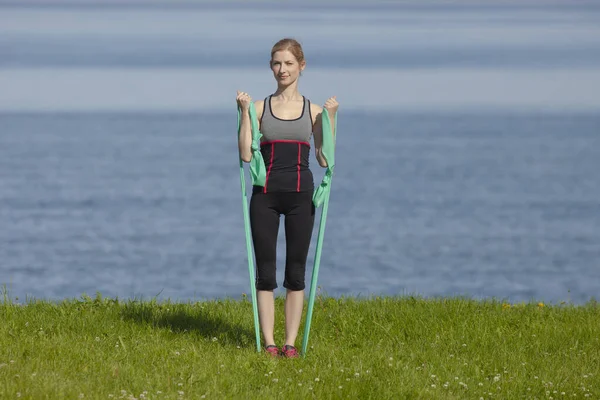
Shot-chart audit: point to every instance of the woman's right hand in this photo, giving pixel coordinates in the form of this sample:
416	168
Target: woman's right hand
243	99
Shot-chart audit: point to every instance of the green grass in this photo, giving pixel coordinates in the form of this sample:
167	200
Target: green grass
372	348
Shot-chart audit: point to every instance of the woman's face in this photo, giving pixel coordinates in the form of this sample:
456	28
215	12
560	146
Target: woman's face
286	69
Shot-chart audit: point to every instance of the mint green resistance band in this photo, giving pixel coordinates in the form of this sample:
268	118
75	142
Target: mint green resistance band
320	198
258	174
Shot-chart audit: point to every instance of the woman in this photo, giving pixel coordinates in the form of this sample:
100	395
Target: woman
287	120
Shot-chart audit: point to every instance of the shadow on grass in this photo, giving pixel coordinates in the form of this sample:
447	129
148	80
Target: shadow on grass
187	319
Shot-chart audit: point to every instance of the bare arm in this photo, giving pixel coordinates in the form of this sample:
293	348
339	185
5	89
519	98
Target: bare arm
317	111
245	136
318	134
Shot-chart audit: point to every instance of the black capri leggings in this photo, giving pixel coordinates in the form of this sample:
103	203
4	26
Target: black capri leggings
265	211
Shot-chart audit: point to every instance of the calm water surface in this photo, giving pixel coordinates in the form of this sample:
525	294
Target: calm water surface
467	159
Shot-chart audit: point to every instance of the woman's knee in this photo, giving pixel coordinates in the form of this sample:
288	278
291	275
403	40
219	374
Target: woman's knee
266	278
295	277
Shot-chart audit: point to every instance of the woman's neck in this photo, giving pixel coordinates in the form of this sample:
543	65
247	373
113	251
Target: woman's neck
288	93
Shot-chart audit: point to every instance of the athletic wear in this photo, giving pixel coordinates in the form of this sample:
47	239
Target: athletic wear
272	350
286	149
288	190
265	211
289	351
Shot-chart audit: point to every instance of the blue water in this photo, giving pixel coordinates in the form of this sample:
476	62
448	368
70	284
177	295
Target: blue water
130	186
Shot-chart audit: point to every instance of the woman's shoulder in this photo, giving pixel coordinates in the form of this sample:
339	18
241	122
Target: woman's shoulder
259	106
315	109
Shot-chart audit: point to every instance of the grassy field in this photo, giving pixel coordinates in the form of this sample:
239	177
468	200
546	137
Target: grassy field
374	348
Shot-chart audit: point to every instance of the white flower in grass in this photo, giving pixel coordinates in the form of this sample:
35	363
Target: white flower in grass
317	379
181	393
433	385
214	339
339	387
275	380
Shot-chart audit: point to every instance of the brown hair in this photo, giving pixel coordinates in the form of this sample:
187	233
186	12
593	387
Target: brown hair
289	44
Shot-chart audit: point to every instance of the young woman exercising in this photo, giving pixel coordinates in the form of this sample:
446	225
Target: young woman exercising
287	121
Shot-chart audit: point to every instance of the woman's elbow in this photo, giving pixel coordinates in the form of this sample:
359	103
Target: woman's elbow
246	156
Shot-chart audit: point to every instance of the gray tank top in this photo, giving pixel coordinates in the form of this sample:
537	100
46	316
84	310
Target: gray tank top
273	128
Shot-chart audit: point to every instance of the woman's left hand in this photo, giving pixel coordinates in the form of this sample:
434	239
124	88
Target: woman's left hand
331	105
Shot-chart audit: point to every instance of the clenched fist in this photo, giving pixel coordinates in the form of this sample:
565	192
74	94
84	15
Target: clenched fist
331	105
243	99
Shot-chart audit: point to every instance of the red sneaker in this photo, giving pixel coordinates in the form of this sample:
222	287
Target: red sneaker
289	351
272	350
